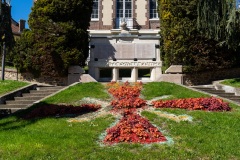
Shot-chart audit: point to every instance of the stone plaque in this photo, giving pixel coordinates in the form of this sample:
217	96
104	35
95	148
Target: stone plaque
124	51
103	51
145	51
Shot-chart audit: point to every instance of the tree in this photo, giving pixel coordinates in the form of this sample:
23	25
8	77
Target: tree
220	20
57	38
5	26
184	43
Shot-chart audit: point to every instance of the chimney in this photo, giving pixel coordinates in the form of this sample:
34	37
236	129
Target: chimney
21	25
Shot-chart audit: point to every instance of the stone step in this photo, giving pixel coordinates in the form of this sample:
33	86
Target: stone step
36	94
228	97
15	106
25	102
215	91
220	93
226	94
36	98
43	91
203	87
28	99
208	89
53	88
236	98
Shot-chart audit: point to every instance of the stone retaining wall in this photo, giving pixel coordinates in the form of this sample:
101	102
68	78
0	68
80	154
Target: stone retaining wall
188	79
209	76
11	74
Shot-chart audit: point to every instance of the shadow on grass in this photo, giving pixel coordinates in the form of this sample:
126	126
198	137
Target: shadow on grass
44	110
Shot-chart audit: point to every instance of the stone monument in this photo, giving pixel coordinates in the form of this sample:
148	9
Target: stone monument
125	50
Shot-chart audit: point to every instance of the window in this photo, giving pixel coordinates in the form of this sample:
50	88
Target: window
95	10
124	8
153	9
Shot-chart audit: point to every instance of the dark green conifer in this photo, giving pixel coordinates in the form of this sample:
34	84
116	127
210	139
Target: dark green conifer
57	37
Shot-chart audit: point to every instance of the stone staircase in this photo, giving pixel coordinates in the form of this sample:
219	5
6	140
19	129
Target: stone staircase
25	100
210	89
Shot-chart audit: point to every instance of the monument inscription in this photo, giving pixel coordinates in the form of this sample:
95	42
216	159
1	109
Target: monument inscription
125	51
133	64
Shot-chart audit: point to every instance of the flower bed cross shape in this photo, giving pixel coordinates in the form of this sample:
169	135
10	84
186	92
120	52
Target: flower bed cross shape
133	128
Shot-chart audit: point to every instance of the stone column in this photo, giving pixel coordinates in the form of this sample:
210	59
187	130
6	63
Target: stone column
115	74
153	74
74	73
97	74
134	76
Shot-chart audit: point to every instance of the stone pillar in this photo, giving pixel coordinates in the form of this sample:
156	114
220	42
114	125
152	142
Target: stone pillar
74	73
97	74
115	74
134	76
153	74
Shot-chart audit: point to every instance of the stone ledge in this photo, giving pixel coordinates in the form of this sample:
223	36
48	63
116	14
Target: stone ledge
173	78
174	69
9	69
226	88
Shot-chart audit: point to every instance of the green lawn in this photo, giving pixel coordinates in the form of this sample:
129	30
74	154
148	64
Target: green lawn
9	85
210	135
232	82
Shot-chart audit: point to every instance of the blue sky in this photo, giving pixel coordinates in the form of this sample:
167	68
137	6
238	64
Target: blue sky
21	9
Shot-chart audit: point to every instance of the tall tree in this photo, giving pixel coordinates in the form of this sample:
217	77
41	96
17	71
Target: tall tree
58	36
184	43
5	25
220	20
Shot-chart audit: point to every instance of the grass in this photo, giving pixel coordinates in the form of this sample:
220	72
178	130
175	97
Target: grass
9	85
158	89
232	82
211	135
79	91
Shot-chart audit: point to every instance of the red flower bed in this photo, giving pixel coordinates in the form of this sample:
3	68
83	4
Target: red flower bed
126	95
61	110
208	104
133	128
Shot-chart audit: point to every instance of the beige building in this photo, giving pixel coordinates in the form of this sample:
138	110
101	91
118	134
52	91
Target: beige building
139	14
124	41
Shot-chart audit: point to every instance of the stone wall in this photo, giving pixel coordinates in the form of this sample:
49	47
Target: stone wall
11	74
188	79
209	76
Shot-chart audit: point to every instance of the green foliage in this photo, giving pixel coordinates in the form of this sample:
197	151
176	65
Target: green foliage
24	54
58	37
220	20
5	26
183	43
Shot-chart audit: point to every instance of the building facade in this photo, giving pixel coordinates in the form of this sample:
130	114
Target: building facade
139	14
124	41
17	28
